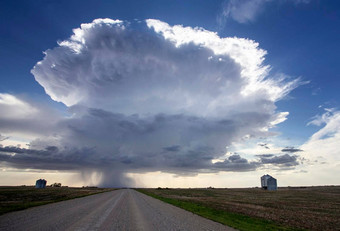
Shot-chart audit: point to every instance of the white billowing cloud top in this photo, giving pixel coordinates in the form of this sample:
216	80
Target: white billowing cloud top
147	96
108	64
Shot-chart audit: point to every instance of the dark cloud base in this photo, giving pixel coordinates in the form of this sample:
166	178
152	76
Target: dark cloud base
113	169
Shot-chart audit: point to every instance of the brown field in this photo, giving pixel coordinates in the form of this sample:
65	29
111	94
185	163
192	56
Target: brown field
312	208
22	197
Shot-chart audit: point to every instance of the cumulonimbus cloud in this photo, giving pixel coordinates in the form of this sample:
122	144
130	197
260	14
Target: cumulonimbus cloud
147	96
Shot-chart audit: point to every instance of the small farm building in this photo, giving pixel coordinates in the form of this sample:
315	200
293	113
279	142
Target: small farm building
41	183
268	182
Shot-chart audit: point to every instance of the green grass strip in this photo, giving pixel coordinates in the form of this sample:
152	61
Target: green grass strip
22	206
237	221
6	208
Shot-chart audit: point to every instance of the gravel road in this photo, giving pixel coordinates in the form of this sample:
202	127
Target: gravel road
124	209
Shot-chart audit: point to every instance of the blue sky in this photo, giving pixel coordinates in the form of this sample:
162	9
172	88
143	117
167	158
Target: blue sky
301	39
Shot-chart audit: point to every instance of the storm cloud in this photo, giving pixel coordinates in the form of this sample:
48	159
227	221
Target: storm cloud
146	96
284	160
291	149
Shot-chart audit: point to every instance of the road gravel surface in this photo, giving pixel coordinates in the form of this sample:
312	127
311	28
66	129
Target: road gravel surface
124	209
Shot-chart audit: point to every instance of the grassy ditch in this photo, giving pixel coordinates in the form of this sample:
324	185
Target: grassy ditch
235	220
22	197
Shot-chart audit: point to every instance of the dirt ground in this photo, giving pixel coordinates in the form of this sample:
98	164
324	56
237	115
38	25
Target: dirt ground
312	208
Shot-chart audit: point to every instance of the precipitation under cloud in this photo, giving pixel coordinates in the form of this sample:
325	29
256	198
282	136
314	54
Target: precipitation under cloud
146	96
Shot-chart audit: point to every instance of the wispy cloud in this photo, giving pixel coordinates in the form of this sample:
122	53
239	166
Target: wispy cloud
245	11
2	138
21	117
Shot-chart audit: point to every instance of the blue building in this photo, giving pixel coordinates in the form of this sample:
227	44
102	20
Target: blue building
268	182
41	183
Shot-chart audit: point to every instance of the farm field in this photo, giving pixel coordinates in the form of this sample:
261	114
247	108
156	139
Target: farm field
290	208
13	198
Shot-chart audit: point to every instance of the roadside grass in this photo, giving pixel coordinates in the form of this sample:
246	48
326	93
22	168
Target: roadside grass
16	198
235	220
